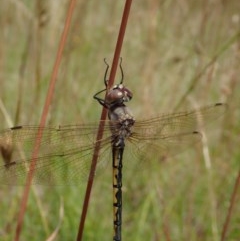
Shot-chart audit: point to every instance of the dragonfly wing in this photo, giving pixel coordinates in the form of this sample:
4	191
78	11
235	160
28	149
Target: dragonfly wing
182	122
170	134
160	148
65	154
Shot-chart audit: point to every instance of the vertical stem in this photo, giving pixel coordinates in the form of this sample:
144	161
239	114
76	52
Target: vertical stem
231	206
103	117
119	42
49	96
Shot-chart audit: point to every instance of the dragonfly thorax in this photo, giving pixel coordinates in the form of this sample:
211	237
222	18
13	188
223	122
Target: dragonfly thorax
121	120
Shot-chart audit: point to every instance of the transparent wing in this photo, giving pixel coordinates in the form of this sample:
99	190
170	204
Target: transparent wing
170	134
64	157
66	152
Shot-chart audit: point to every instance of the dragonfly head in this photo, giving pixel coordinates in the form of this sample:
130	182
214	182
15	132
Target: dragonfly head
118	94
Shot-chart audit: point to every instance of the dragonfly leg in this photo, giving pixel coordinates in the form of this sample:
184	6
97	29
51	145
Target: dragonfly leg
105	75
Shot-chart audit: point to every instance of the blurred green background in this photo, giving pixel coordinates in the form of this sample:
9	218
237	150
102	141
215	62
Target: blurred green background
176	54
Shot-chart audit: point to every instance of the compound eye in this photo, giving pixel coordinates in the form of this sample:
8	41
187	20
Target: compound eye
118	94
114	95
128	93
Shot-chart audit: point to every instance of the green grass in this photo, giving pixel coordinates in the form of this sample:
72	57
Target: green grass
174	53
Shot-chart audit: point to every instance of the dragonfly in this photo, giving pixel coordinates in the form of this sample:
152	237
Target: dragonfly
66	152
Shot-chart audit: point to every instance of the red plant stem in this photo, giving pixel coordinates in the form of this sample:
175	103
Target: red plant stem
103	117
230	209
43	120
119	42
